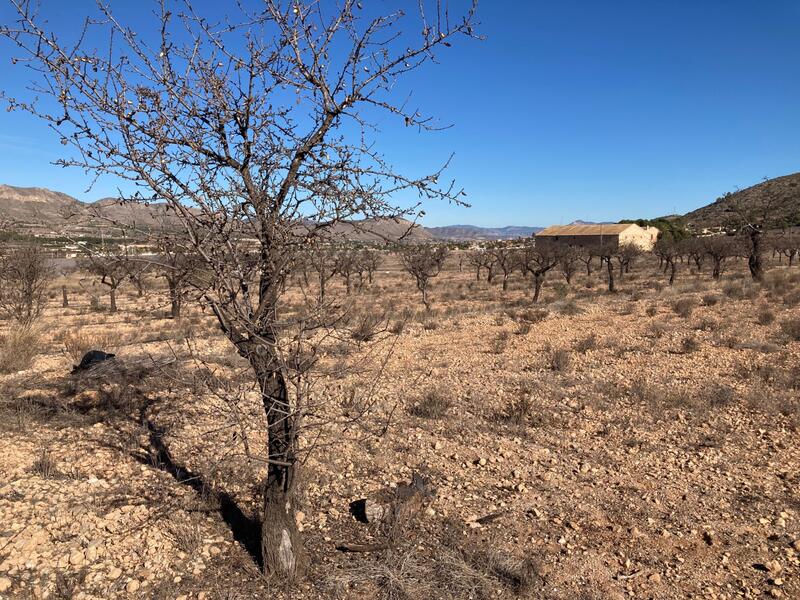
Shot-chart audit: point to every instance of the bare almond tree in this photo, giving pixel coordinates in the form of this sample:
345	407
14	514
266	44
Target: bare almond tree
424	262
179	268
257	132
538	262
755	220
25	273
506	259
719	248
111	268
567	262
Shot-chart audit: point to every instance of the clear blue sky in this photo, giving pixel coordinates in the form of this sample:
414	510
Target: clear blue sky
568	110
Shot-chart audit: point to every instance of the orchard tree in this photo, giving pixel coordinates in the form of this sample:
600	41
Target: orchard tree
538	261
719	248
424	262
506	259
669	251
111	268
25	273
180	268
626	256
567	262
258	133
755	219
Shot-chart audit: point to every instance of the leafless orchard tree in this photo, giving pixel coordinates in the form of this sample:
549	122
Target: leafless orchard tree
257	133
25	273
755	221
322	258
695	251
788	246
567	262
371	259
111	267
626	256
480	259
180	269
346	265
587	256
506	259
606	253
538	261
424	262
719	248
669	251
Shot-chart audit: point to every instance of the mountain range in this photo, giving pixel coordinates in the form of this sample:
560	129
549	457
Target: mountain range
45	212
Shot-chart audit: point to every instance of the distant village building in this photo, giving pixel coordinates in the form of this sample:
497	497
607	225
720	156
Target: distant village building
595	236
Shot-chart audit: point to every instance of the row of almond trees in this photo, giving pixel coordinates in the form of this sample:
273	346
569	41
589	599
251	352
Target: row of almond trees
501	260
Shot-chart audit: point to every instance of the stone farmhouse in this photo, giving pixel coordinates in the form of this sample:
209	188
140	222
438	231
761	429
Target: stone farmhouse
597	235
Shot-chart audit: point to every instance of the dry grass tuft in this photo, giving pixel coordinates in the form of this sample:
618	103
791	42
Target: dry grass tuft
77	343
434	404
683	307
18	348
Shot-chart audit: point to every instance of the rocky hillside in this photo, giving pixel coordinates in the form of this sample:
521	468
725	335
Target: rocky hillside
42	211
36	205
781	194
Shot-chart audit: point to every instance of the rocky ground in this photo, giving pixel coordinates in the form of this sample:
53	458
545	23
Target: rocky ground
636	445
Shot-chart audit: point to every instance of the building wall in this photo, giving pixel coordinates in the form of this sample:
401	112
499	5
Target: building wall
643	238
579	241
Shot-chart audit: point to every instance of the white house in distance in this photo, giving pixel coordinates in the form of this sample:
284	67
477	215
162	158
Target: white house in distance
600	234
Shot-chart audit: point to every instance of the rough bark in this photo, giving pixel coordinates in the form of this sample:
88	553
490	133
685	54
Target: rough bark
281	546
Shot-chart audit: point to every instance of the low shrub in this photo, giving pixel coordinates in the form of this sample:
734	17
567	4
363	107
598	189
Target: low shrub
683	307
434	404
791	328
765	316
587	343
18	348
560	360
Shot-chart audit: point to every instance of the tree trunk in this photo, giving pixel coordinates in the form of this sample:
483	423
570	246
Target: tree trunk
478	274
349	284
717	270
424	289
281	546
538	280
755	260
113	298
505	282
64	297
672	269
610	267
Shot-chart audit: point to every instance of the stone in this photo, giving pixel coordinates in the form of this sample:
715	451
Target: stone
5	584
773	566
76	558
133	586
655	578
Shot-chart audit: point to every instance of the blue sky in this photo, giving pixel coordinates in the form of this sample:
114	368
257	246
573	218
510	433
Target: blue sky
568	110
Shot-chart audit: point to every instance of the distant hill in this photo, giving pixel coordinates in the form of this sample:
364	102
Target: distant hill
35	205
43	212
475	233
579	222
782	192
